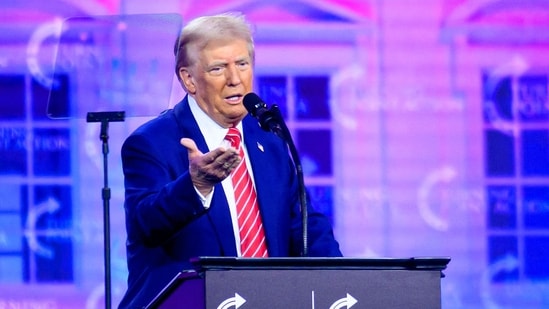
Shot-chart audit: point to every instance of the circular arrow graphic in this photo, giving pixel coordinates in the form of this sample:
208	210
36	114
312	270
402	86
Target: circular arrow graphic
38	37
444	175
345	302
47	207
507	264
235	301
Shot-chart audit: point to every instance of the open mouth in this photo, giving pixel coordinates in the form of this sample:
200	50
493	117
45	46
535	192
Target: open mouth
234	99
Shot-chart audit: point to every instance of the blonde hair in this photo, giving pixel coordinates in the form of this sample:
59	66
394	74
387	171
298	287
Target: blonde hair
202	30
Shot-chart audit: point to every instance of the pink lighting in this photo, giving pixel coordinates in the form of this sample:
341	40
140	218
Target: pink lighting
436	114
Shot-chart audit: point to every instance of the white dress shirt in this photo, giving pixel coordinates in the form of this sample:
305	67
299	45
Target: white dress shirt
214	134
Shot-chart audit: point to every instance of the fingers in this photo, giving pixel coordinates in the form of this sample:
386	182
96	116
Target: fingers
212	167
227	161
219	155
191	147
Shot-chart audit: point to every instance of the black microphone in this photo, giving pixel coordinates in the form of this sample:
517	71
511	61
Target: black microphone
268	119
271	120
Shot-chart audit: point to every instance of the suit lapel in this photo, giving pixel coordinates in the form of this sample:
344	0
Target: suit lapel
188	126
219	213
261	157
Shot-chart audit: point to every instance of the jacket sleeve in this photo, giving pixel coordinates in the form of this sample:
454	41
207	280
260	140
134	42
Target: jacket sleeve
160	198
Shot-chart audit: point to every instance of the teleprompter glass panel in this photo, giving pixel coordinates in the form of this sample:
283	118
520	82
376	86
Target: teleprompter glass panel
57	95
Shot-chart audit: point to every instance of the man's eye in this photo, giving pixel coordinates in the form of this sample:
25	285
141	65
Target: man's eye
243	65
216	70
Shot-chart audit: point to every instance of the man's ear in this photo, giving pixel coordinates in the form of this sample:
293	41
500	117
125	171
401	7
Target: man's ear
187	80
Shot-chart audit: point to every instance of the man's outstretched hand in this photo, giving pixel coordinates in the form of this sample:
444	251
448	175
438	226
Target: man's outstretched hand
208	169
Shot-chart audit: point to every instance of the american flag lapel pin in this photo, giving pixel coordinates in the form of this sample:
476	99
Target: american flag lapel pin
260	147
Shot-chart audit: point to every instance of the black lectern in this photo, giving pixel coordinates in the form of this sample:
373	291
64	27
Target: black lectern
225	282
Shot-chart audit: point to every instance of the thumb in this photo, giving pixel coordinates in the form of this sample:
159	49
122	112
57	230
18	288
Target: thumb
191	147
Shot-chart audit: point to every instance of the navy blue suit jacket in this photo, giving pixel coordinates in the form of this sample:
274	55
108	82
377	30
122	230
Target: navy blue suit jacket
166	222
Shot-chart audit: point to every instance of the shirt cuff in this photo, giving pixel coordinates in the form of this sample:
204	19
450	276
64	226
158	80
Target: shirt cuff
206	200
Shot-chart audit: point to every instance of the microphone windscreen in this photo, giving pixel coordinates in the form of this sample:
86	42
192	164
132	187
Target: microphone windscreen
252	102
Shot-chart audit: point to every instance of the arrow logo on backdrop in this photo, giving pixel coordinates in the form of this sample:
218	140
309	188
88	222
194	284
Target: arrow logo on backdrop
47	207
345	302
235	301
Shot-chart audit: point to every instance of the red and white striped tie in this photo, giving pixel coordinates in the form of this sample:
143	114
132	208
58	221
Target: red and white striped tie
252	236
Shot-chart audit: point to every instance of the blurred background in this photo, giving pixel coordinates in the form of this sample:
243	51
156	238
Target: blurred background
423	128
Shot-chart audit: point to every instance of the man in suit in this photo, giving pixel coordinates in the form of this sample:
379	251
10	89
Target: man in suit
180	201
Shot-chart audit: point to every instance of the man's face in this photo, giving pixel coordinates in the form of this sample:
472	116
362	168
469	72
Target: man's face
219	79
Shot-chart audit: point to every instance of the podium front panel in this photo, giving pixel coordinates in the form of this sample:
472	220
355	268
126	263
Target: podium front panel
322	289
316	283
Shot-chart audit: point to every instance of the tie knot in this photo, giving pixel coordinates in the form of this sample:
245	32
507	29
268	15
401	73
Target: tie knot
233	136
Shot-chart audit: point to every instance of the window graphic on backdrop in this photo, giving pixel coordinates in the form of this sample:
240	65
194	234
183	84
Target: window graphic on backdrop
516	131
35	189
304	103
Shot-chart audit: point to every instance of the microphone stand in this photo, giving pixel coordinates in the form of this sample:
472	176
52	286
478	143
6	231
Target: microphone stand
105	118
281	130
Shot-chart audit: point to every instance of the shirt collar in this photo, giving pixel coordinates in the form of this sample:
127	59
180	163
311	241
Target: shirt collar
213	133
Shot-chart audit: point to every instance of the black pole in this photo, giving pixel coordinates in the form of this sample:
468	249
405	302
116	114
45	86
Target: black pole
282	131
105	118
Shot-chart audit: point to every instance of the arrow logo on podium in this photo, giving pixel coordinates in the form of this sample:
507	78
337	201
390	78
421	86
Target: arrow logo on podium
345	302
235	301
